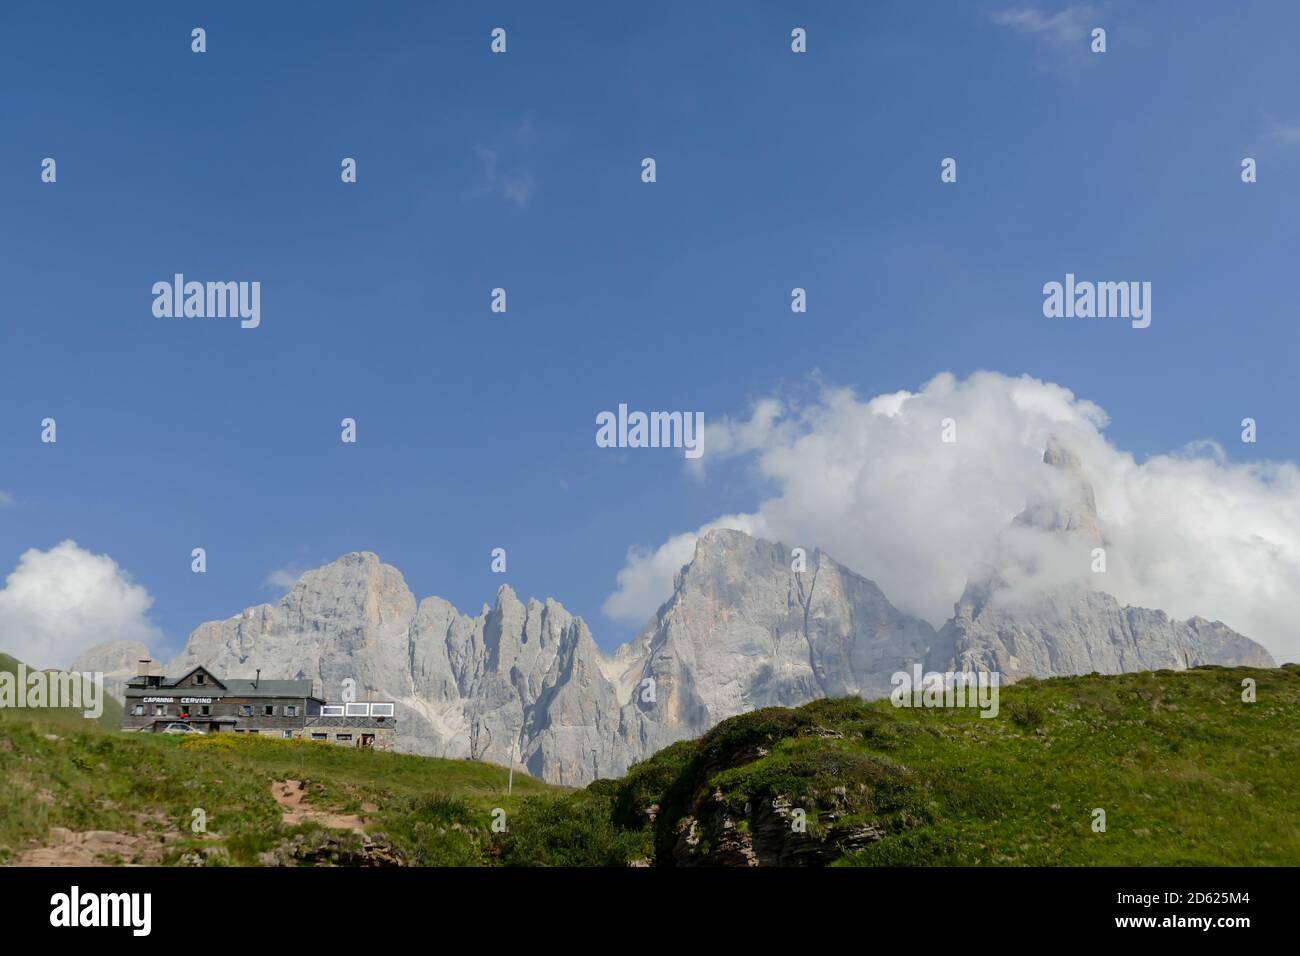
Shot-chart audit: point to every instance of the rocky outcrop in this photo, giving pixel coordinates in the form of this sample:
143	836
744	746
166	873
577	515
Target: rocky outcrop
766	833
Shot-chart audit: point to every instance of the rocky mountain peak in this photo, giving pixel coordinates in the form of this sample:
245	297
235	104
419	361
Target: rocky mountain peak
1038	611
1059	456
1070	506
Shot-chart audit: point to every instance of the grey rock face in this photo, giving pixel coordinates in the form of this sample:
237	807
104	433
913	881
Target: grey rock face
118	661
1078	631
521	681
742	630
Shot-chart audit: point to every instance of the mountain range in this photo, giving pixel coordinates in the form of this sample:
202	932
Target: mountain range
750	624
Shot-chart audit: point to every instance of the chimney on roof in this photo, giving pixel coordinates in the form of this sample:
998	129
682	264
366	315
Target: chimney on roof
258	677
143	669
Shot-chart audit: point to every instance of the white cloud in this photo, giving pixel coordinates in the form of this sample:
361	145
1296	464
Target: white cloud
1286	134
1068	27
514	184
282	579
506	166
57	603
871	483
646	580
726	438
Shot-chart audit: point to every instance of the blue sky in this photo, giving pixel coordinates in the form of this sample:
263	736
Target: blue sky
522	170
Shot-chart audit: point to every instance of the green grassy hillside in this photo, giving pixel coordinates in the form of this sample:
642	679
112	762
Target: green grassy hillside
111	717
1186	772
59	770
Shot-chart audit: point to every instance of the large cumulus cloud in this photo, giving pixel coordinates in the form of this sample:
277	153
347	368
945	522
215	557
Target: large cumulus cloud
56	603
871	482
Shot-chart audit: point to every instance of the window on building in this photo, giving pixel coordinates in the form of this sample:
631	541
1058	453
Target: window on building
343	738
288	735
291	710
138	710
245	710
238	731
160	710
269	710
198	678
205	710
320	736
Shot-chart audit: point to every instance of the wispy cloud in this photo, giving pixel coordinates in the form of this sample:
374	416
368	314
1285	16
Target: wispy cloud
282	579
1288	134
6	499
514	185
506	167
1066	28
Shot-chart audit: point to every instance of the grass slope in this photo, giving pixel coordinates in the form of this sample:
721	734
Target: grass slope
1186	772
110	718
58	769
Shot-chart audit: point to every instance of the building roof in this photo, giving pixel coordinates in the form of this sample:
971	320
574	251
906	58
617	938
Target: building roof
240	687
232	687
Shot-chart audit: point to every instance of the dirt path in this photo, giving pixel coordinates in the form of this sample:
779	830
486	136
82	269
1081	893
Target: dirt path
66	847
97	848
291	795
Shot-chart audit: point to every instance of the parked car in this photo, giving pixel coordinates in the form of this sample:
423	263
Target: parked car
181	729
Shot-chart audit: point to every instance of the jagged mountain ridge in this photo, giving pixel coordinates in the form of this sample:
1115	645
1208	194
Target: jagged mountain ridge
521	679
749	625
741	631
527	680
